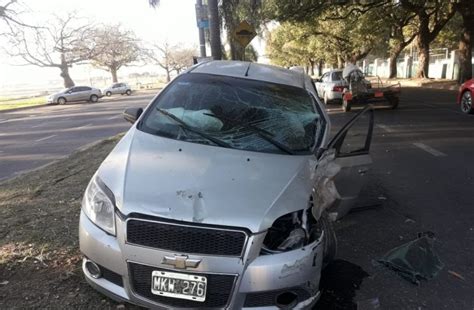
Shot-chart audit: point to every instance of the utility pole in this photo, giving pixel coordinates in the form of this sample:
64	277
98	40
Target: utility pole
200	22
214	29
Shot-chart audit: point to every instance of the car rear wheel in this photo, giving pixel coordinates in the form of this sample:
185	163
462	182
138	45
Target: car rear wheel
128	92
346	105
393	102
108	94
94	98
62	100
326	99
466	102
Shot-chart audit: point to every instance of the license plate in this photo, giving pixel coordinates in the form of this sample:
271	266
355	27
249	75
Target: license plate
179	285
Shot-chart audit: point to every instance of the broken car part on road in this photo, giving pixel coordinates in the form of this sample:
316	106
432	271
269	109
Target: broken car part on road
218	195
415	260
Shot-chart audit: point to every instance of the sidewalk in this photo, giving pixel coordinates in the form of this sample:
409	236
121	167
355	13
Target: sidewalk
425	83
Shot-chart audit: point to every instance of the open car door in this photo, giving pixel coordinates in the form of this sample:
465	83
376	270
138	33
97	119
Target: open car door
343	165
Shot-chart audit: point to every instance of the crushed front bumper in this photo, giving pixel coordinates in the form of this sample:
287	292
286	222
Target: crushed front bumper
256	281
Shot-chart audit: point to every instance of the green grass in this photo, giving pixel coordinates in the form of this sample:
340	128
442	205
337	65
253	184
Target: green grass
20	103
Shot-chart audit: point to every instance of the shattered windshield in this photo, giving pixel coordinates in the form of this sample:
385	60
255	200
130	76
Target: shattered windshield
236	113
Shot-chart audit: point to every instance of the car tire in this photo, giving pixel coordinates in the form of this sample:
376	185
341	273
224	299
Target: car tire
329	239
466	102
94	98
108	94
346	105
325	99
128	92
394	102
62	100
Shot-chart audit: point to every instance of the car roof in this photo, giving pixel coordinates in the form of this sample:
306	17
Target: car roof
254	71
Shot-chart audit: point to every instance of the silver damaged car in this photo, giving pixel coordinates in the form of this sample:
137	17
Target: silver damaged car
221	193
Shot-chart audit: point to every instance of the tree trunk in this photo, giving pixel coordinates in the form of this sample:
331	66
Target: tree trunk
394	53
168	78
465	46
113	71
68	82
423	45
214	29
320	67
311	67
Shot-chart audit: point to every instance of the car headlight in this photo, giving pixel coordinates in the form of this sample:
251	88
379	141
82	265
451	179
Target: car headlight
99	205
290	232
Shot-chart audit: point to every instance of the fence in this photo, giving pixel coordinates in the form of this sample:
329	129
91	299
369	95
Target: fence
443	65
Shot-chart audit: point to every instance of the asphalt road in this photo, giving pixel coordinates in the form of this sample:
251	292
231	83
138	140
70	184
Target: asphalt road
34	137
422	180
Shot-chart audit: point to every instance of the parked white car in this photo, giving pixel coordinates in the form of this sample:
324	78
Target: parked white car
76	93
330	86
217	196
118	88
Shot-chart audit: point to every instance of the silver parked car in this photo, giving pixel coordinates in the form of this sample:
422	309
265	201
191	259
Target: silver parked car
330	86
76	93
220	194
118	88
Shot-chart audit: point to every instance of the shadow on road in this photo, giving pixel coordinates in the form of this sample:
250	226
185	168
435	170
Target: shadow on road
339	281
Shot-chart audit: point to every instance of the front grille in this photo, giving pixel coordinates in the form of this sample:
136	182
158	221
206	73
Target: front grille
186	239
219	288
269	298
111	276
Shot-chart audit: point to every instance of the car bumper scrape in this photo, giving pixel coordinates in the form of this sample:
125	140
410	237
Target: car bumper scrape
250	280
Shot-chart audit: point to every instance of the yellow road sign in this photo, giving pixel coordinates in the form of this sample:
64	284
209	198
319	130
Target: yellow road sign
244	33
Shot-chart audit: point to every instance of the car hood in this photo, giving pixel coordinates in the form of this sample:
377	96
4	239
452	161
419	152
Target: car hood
193	182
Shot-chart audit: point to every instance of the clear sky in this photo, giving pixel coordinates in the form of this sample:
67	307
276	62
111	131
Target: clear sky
174	21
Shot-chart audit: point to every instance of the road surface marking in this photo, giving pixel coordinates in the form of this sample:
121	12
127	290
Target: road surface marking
83	126
385	127
429	149
115	116
45	138
4	121
36	126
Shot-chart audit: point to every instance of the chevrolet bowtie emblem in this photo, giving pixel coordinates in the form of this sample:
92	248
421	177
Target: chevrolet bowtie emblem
181	261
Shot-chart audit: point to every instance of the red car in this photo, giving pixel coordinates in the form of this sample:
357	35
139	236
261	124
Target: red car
466	92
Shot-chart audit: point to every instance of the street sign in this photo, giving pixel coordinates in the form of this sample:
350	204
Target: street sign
202	18
244	33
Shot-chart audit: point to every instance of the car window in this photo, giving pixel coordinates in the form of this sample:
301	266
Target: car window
74	89
325	77
336	76
233	110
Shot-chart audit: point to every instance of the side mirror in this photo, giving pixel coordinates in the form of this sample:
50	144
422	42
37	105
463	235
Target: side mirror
132	114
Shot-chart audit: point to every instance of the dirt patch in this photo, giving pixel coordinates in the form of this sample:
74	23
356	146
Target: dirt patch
39	247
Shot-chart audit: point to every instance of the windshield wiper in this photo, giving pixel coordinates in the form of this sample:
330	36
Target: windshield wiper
262	133
185	126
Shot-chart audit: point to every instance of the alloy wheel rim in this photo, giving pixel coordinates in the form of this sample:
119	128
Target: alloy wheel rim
466	102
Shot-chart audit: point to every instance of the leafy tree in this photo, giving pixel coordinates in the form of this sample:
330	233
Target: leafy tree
63	43
431	16
466	10
117	48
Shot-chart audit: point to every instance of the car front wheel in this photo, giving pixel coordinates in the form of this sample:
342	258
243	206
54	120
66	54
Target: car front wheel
94	98
466	102
62	100
128	92
108	94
